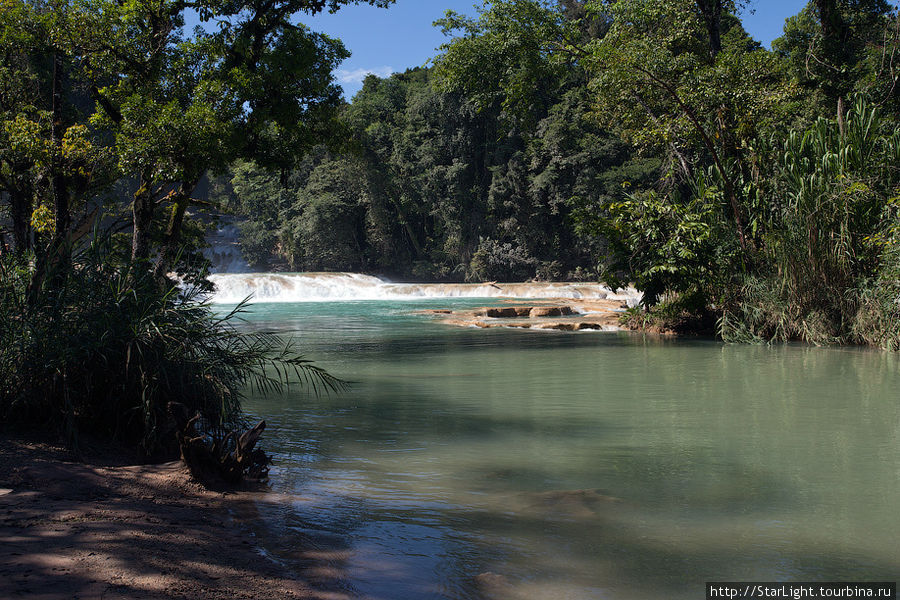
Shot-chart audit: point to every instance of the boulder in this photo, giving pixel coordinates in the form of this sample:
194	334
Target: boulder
550	311
501	313
567	504
493	585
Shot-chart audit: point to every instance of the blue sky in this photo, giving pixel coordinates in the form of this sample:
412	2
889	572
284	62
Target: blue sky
384	41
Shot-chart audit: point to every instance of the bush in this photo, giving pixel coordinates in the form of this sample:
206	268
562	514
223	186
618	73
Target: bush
830	245
101	347
673	246
877	322
496	261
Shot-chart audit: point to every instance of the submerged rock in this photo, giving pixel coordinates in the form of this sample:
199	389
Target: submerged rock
576	504
493	585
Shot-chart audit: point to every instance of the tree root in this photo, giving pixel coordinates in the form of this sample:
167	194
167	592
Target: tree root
215	459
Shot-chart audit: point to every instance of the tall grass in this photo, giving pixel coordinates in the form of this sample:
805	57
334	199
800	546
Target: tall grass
830	235
102	348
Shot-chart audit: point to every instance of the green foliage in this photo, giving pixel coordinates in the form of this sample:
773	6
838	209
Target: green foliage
313	221
101	97
829	244
877	320
830	55
438	189
106	350
494	261
260	195
673	247
678	315
655	142
506	56
326	224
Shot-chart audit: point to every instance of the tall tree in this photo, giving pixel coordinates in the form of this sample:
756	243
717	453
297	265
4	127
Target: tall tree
255	84
20	112
827	44
663	75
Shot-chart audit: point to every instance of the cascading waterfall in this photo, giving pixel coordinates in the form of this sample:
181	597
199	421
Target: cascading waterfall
224	252
317	287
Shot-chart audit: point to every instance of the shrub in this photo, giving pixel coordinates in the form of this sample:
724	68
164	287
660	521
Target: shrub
673	246
497	261
829	252
102	347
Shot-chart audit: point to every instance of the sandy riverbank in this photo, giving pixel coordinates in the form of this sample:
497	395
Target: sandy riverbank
71	530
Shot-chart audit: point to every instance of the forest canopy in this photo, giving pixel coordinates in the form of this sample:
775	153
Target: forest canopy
111	116
744	190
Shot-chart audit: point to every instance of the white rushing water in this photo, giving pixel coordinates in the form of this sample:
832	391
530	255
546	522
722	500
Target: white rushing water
224	251
318	287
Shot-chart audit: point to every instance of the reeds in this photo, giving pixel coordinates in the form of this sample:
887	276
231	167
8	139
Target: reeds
830	239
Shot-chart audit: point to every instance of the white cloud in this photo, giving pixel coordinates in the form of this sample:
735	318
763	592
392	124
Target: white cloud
356	76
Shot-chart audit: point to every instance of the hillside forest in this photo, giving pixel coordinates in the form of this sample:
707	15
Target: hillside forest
748	192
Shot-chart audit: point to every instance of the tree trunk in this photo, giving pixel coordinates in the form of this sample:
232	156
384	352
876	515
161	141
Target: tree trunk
181	199
227	460
20	209
142	211
831	21
711	10
62	216
54	261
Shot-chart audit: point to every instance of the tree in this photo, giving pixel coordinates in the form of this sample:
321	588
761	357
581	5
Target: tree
255	84
52	165
684	75
504	56
827	44
259	87
472	178
94	92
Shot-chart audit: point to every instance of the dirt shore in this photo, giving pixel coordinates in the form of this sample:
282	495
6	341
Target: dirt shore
100	530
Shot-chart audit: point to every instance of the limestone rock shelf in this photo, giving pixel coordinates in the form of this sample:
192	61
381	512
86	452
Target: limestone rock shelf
562	314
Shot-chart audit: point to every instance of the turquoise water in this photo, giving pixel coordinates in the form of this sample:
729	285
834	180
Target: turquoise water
515	464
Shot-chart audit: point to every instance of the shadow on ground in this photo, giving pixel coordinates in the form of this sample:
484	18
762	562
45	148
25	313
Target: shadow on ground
72	530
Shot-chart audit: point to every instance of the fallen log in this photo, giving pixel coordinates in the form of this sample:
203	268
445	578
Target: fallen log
214	458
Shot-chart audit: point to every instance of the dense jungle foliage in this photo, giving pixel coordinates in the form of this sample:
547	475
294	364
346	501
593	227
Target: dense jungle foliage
110	116
746	190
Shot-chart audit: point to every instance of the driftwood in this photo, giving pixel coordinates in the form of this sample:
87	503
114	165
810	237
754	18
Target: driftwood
213	459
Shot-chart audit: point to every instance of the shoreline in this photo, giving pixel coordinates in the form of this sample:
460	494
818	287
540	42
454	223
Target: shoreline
76	530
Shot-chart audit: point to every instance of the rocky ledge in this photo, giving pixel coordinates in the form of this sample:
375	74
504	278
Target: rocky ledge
563	314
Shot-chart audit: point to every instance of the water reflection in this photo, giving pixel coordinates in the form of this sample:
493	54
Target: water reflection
511	464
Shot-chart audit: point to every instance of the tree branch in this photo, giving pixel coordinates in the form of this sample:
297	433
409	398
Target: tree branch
692	117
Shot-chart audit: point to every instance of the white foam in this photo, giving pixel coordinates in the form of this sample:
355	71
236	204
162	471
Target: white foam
318	287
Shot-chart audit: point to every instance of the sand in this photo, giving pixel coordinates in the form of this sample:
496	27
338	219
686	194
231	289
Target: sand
73	530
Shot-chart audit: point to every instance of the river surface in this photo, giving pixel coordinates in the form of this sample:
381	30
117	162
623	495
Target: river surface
509	464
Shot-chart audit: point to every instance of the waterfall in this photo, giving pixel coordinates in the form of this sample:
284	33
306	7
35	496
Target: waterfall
224	252
317	287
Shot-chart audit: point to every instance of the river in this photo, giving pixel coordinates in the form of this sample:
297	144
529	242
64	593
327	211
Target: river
509	464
